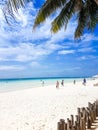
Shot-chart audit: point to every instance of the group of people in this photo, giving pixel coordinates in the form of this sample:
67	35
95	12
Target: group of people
74	82
84	82
57	83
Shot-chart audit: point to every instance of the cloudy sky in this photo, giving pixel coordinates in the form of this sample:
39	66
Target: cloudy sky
38	53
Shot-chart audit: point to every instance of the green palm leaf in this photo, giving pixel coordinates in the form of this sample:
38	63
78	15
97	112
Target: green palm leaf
48	8
87	11
12	6
82	21
63	17
93	13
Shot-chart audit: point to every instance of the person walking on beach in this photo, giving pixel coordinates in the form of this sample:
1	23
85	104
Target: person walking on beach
43	83
62	83
57	84
74	82
84	82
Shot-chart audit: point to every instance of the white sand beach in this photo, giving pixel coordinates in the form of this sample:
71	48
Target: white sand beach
41	108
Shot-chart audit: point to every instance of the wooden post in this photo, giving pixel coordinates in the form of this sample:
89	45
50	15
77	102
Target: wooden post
79	115
69	124
78	122
72	119
96	108
74	128
85	118
59	126
88	122
77	118
62	124
65	126
84	113
83	124
77	125
78	111
89	105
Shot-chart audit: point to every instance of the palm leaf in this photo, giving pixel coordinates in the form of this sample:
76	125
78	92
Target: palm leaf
12	6
47	9
82	21
78	5
63	17
15	4
93	13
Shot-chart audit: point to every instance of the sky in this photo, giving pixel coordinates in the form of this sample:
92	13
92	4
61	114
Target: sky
25	52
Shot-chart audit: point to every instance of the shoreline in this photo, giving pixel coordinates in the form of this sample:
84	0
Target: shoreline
40	108
17	85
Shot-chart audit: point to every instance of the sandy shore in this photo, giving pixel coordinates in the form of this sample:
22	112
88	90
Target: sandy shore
41	108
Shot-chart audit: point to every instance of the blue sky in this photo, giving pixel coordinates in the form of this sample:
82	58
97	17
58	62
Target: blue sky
38	53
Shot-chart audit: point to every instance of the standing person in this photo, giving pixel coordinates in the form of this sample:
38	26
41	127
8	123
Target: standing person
62	83
57	84
84	81
74	82
43	83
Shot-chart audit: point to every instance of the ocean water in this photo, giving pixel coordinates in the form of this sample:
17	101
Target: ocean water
18	84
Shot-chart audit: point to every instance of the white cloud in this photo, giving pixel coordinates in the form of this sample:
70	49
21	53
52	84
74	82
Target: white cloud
87	57
15	68
89	49
83	58
35	64
89	37
65	52
73	68
24	52
19	44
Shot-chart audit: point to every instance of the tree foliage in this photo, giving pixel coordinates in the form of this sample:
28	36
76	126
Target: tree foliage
86	11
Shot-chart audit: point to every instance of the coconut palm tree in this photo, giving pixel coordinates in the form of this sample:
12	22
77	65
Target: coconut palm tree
11	7
85	10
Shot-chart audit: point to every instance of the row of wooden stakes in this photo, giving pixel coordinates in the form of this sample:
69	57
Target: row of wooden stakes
82	121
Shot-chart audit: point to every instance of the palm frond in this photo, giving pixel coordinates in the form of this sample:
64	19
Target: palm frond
82	21
47	9
78	5
12	6
64	16
15	4
93	13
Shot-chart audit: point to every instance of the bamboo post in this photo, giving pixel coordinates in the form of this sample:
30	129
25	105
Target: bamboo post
74	128
85	118
59	126
62	124
65	126
77	125
72	119
67	123
88	122
69	126
91	107
78	109
94	110
78	122
79	115
84	113
82	124
97	108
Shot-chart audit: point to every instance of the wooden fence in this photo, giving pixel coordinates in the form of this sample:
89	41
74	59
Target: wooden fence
82	121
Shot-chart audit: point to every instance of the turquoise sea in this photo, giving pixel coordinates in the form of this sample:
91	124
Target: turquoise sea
26	83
